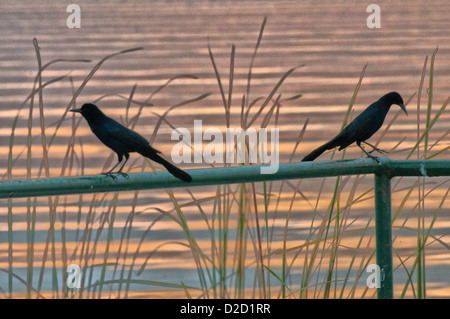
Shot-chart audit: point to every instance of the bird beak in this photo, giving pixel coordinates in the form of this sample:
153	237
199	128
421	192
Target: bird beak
403	108
76	110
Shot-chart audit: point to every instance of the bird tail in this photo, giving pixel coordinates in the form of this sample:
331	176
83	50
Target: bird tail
318	151
175	171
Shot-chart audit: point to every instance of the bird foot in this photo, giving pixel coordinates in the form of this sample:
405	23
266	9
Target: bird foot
373	157
110	175
123	174
114	175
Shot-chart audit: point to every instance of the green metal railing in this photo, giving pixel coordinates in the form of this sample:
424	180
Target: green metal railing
384	170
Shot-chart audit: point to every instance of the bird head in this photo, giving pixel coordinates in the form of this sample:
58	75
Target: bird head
88	111
395	98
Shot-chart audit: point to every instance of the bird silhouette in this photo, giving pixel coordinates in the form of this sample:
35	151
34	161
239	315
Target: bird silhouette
362	127
123	141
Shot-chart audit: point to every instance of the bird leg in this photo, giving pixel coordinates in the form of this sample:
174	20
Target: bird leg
368	154
127	156
375	149
119	172
110	172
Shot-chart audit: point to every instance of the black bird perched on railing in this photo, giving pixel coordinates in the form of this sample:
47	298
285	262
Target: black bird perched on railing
124	141
362	127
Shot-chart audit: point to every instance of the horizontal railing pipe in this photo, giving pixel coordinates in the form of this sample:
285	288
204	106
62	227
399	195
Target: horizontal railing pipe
217	176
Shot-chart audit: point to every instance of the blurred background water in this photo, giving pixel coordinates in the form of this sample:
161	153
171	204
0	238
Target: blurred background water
328	42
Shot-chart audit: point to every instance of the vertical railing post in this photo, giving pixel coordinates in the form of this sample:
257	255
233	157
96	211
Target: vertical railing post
383	233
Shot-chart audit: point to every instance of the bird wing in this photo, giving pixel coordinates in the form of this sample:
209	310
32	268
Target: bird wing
132	141
360	129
